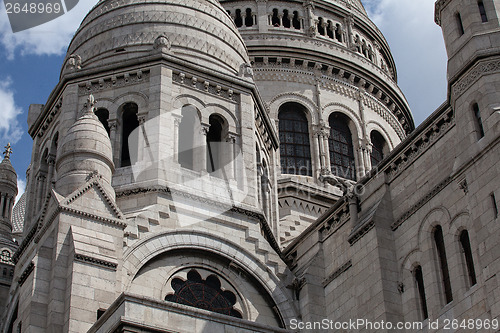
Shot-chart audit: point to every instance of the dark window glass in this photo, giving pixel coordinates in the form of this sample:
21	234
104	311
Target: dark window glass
238	20
338	34
203	294
469	262
129	123
443	263
482	11
214	139
321	28
295	151
248	18
275	20
286	19
378	144
296	20
419	279
479	121
341	148
459	23
103	116
329	29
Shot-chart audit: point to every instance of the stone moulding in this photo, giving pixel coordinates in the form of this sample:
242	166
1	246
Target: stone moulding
95	261
25	274
334	222
49	118
337	273
437	189
113	81
421	144
360	231
200	83
473	74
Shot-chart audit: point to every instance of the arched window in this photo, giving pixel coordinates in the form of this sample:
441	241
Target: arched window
286	19
214	143
248	18
378	144
340	146
321	28
103	116
238	20
203	294
275	20
482	11
329	29
479	121
443	263
469	262
460	26
338	33
129	124
419	281
187	129
295	152
296	20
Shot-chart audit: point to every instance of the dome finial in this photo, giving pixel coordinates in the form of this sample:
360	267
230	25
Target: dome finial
90	104
8	151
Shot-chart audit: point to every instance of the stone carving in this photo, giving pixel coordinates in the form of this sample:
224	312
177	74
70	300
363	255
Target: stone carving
162	44
74	62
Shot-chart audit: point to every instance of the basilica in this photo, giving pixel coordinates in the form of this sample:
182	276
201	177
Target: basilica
252	166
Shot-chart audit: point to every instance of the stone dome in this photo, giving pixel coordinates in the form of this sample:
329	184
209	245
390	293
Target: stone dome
86	149
199	31
8	176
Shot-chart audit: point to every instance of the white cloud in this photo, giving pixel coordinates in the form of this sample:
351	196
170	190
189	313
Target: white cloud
10	130
50	38
21	187
417	45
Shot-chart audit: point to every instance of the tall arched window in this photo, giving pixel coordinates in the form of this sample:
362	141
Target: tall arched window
443	263
295	152
460	25
103	116
479	121
378	144
248	17
129	123
187	129
338	32
238	20
340	146
296	20
482	11
419	281
214	143
286	19
275	20
469	262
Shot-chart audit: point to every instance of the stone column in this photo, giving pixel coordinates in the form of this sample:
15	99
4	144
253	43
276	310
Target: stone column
352	199
113	128
202	158
11	206
231	155
39	191
51	161
177	121
361	159
2	201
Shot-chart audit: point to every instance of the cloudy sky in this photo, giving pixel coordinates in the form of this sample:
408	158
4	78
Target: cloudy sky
30	64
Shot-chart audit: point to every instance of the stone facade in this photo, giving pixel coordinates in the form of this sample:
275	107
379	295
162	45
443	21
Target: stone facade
244	166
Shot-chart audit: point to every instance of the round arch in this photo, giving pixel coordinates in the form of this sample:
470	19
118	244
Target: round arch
276	103
141	253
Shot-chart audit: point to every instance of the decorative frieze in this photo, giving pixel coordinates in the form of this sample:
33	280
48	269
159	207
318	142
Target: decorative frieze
422	201
50	117
112	82
95	261
421	143
335	220
205	86
25	274
479	69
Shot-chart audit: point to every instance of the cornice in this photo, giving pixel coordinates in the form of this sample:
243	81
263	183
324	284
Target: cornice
480	68
440	4
337	273
95	261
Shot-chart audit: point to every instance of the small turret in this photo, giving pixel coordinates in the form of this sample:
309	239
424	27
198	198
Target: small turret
86	150
8	193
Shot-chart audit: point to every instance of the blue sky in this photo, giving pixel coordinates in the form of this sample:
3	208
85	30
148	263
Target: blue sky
30	63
